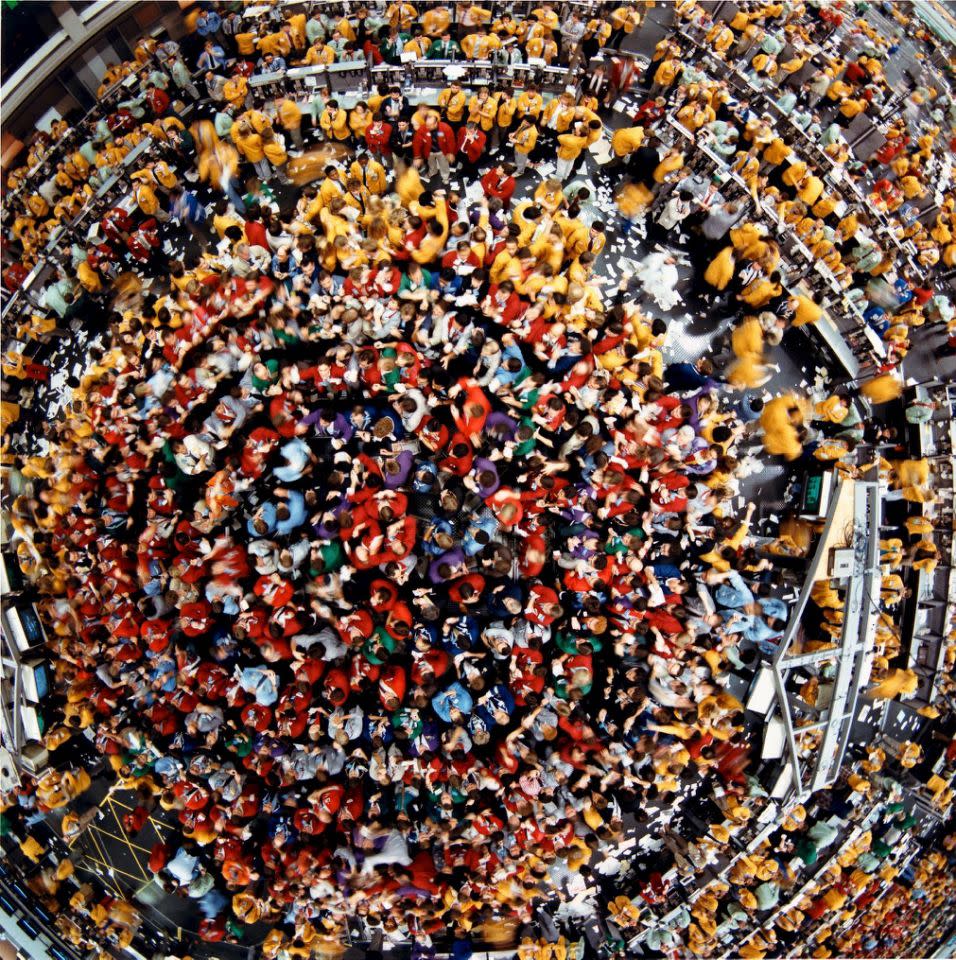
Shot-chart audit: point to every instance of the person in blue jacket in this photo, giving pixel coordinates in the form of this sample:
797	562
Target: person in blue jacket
453	703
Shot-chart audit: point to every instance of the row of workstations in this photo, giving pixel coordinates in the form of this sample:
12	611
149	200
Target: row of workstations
729	933
350	81
931	610
810	738
24	672
864	134
843	329
846	552
27	299
843	341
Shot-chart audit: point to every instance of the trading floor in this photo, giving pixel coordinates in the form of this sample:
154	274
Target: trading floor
478	481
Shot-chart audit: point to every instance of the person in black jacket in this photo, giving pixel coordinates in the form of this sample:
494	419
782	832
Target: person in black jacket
401	140
644	161
596	84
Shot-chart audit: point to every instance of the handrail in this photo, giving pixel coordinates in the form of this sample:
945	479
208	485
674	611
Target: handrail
778	664
856	642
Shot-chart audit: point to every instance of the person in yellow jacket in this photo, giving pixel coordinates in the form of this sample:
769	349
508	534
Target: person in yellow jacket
664	76
575	235
776	152
570	146
275	152
436	21
61	178
334	121
334	225
360	119
924	555
332	188
418	45
541	48
599	30
480	45
848	227
432	244
623	20
453	101
235	90
319	54
632	199
523	139
290	117
530	103
408	186
507	264
250	145
882	388
297	32
669	168
549	196
279	44
809	189
147	201
558	114
624	142
547	16
721	269
90	279
895	683
507	108
852	107
56	789
420	117
31	848
245	44
912	187
825	205
401	15
761	290
110	156
720	38
38	206
483	110
222	218
164	175
371	173
748	370
782	424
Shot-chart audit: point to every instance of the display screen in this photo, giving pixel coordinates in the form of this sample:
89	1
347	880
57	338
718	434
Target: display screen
812	494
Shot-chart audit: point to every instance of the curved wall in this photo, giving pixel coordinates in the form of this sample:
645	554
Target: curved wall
67	69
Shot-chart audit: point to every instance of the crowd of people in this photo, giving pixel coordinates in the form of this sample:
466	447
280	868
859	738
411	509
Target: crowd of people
384	547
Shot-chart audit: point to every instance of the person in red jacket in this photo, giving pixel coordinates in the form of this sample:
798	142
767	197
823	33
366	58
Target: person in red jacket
255	229
650	111
377	138
624	73
116	225
14	276
462	259
120	122
854	73
503	303
471	148
474	409
500	182
434	146
891	150
157	100
143	242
